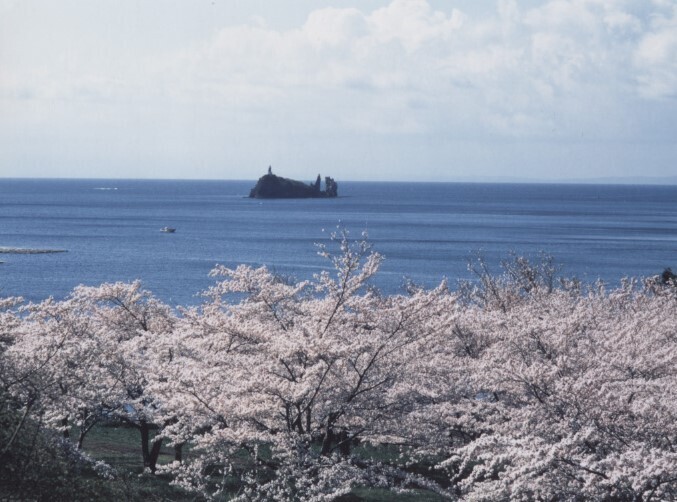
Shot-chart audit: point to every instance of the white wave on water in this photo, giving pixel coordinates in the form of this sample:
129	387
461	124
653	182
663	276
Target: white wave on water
9	250
105	188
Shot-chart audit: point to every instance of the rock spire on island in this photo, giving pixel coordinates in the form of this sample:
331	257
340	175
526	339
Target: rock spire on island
271	186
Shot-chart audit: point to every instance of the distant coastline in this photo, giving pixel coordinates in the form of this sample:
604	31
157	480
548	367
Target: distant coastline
634	180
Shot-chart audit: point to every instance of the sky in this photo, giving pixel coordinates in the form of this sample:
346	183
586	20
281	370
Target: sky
410	90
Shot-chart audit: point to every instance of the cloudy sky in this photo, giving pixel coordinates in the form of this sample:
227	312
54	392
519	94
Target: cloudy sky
426	90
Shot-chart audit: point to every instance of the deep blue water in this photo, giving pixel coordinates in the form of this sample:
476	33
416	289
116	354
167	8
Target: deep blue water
426	231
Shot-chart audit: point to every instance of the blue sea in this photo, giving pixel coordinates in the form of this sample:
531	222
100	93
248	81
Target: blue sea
426	231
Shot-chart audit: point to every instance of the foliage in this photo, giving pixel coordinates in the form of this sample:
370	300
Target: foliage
37	463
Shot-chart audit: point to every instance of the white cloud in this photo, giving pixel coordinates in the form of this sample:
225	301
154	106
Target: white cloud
563	70
413	24
656	55
334	27
514	63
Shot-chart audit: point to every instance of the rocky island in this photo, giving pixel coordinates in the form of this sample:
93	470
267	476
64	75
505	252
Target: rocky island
271	186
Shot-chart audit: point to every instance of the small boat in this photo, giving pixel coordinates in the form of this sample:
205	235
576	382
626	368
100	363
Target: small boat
168	230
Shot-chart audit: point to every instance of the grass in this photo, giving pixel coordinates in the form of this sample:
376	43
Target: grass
382	495
120	447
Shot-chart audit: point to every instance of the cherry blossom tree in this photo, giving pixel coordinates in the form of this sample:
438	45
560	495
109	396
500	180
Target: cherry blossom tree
88	353
577	394
127	320
296	374
518	386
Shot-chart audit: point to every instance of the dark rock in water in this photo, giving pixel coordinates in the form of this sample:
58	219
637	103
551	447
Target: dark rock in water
271	186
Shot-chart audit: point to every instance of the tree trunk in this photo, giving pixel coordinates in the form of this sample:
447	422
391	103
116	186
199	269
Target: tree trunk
84	430
66	431
154	454
178	452
145	433
81	439
150	451
344	443
327	442
329	436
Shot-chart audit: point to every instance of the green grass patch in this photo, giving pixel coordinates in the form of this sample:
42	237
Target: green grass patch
383	495
119	445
